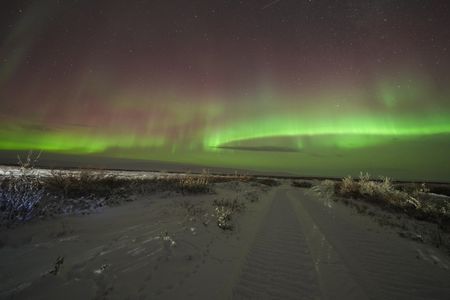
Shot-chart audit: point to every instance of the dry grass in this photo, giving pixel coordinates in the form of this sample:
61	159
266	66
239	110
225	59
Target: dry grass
84	183
416	203
235	177
194	184
380	192
28	195
97	183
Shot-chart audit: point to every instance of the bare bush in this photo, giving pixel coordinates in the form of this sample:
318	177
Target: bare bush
21	195
224	210
224	217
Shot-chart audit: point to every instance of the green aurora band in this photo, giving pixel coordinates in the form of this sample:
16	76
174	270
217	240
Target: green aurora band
404	146
332	134
314	141
358	126
356	129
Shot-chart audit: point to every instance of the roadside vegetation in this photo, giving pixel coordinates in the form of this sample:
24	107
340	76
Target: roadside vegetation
415	202
26	195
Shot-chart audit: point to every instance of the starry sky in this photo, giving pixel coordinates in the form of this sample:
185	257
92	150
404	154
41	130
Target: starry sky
311	88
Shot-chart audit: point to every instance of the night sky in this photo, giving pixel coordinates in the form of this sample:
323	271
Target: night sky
323	88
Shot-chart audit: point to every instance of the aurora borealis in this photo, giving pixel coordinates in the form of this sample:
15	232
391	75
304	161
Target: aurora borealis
321	88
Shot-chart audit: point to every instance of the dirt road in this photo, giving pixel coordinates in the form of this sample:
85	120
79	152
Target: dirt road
309	248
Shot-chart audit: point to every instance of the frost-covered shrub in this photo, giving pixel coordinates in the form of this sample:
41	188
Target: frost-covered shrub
224	210
325	188
386	185
348	186
224	217
381	191
20	195
19	199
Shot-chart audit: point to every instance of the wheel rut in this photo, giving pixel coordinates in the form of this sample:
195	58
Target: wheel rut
279	264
